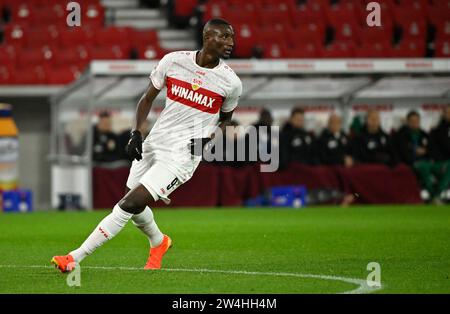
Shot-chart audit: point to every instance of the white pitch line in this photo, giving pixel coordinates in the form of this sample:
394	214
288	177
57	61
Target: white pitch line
363	287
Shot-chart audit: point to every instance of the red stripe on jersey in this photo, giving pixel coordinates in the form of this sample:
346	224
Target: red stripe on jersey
201	99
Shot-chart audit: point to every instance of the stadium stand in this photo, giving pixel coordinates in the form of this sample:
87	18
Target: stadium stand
37	48
35	31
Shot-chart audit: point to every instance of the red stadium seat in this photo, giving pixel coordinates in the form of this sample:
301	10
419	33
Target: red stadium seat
438	13
322	3
142	37
8	54
308	13
109	53
409	49
311	32
373	50
184	8
62	75
347	12
278	3
275	50
29	58
33	75
214	9
305	51
38	37
47	3
78	56
418	4
113	36
7	74
75	36
151	52
409	12
243	6
15	34
339	50
346	31
442	49
441	4
442	27
413	30
382	33
48	15
274	15
344	19
241	16
22	13
245	40
271	34
93	14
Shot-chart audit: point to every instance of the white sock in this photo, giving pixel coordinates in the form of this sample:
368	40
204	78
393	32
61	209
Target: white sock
106	230
147	224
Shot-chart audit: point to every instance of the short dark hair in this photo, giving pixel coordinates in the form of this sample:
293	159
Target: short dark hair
412	113
297	110
104	114
217	22
265	113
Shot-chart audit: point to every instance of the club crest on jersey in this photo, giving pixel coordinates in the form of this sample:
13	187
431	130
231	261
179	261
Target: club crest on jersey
196	84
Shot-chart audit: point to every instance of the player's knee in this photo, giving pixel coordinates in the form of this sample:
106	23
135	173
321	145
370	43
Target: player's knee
131	206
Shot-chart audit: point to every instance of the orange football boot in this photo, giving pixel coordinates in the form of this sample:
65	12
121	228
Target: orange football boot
64	263
157	253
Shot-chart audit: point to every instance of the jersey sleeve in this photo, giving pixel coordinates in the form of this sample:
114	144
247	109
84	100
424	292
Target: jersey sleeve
231	101
158	74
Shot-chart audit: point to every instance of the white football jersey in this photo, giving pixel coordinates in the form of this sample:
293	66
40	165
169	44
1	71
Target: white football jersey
195	96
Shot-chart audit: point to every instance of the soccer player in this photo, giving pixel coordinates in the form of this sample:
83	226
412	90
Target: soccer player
202	93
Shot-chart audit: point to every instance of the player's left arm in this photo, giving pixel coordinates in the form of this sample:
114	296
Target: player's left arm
230	103
224	120
225	116
207	142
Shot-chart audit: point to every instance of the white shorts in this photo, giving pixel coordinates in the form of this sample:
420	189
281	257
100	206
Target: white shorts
154	176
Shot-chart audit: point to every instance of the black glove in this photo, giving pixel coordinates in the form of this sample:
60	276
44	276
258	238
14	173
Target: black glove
199	145
134	146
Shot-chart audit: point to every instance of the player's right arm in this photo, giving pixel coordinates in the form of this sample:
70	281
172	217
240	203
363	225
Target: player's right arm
134	146
144	106
157	82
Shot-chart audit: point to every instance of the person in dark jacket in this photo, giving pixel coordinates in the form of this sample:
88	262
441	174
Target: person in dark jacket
333	144
413	143
234	148
106	142
416	150
296	143
372	144
440	136
264	134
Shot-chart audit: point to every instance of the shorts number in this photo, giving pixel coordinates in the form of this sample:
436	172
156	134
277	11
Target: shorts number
172	184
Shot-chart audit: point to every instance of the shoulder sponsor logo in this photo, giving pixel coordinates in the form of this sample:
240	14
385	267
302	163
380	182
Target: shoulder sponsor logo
200	73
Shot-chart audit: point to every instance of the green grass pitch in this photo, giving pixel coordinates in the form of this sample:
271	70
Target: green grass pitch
249	248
